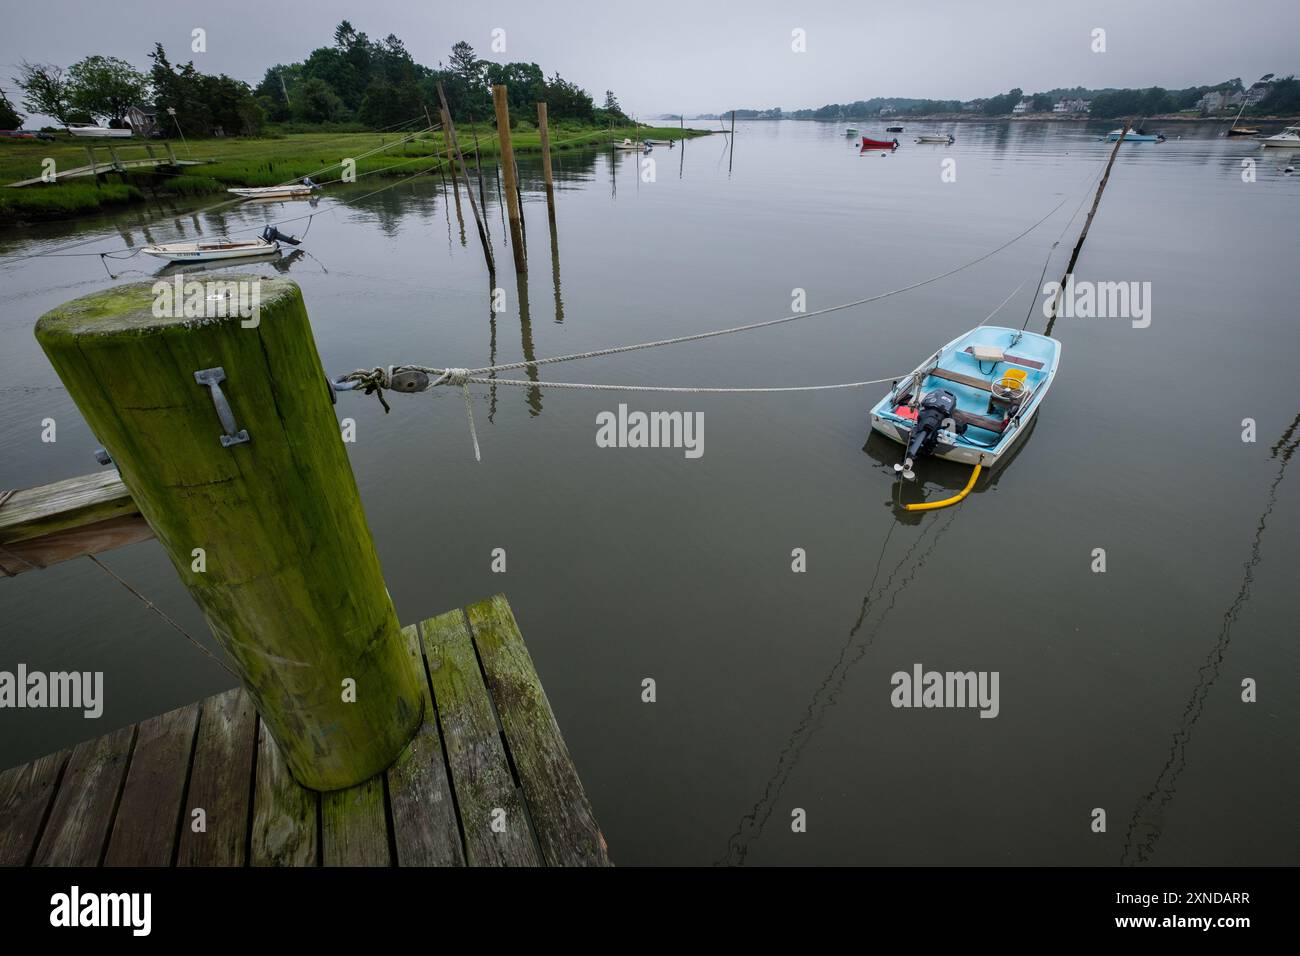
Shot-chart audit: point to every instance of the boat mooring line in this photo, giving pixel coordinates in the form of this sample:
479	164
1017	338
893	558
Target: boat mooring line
378	379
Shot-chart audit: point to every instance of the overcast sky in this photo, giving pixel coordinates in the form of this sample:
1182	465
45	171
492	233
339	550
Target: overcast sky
662	56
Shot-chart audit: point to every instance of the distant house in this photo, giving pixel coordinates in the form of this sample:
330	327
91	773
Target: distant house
887	111
143	121
1022	107
1218	100
1070	106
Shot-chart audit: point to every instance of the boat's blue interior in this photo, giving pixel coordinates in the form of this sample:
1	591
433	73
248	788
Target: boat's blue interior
1026	355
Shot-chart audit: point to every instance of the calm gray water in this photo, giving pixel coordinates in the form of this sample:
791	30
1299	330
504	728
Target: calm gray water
1119	691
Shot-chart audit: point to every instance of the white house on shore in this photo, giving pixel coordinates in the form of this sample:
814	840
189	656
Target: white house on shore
1070	106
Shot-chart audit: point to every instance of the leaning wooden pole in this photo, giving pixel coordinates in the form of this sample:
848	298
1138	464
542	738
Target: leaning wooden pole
731	147
1087	223
508	171
223	430
546	163
449	130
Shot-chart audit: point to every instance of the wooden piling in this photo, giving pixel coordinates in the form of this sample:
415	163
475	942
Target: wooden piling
508	171
546	167
480	219
1083	233
290	582
731	147
451	165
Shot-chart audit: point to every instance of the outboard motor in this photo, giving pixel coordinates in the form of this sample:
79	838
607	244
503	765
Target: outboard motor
271	234
936	408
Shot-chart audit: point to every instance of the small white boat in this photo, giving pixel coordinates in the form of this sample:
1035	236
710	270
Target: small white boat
209	251
287	191
268	242
1135	136
972	400
947	139
850	131
100	132
637	147
1289	138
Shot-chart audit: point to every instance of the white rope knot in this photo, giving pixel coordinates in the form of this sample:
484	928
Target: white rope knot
455	376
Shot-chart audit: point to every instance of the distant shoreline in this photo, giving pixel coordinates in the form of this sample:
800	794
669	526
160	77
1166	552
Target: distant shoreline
1023	118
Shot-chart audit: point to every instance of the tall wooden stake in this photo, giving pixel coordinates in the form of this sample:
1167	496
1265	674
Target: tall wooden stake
224	433
449	130
731	149
546	162
1096	201
508	171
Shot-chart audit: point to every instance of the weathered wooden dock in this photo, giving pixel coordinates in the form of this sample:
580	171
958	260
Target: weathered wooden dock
486	781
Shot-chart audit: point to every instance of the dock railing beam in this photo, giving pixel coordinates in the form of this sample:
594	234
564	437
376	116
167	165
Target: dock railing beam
223	430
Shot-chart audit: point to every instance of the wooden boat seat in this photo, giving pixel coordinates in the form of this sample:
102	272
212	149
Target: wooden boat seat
961	378
1013	359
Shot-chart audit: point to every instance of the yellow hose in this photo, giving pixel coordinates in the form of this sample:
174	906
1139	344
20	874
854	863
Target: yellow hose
932	505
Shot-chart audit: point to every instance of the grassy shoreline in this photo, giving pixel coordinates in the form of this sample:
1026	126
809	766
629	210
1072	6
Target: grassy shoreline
263	161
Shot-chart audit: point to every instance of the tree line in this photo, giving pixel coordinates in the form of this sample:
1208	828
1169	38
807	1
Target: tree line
355	81
1282	97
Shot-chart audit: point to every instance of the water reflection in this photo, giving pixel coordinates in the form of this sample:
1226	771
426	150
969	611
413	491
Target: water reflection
1148	820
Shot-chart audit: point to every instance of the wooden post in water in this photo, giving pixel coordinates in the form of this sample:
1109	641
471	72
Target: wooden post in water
508	171
1083	234
449	130
223	431
451	163
731	147
546	162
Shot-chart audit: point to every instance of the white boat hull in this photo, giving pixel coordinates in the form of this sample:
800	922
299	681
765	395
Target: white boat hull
272	192
99	132
211	251
1283	143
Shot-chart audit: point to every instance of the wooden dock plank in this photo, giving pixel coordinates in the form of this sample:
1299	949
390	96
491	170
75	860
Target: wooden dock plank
354	827
144	829
221	782
26	793
34	554
487	779
425	831
561	814
70	503
284	813
82	816
484	786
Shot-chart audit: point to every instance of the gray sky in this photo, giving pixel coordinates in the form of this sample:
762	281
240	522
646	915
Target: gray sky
664	56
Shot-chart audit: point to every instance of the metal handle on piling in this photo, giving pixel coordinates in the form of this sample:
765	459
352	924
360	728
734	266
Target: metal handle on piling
212	378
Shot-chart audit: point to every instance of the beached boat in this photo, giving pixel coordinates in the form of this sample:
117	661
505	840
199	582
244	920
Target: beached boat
869	143
945	138
1136	136
972	400
265	244
287	191
1288	138
92	130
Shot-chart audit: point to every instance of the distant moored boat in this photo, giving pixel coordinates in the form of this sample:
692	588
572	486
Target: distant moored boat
869	143
92	130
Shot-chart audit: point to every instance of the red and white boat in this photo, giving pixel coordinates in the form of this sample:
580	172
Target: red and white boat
869	143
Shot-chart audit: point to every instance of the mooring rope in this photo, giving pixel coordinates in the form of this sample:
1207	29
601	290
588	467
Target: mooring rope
378	379
159	611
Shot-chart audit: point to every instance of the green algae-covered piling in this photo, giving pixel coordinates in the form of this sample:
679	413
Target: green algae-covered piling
224	434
